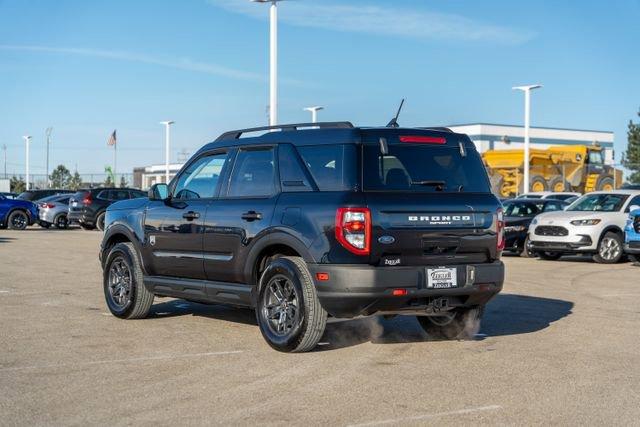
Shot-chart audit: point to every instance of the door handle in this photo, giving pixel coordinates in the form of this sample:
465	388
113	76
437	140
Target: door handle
252	216
191	215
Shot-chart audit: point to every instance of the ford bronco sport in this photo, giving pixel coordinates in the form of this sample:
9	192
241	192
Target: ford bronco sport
306	221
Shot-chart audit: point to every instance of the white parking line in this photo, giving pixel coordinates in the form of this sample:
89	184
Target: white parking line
131	360
4	292
429	416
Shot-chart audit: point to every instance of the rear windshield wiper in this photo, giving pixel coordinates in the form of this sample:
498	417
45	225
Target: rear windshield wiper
438	184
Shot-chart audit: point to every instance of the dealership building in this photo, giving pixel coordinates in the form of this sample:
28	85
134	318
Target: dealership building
488	136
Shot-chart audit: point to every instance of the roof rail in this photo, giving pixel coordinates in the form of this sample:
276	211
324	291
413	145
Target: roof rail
236	134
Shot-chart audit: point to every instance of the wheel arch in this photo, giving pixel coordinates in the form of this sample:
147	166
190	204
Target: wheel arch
608	229
30	218
118	234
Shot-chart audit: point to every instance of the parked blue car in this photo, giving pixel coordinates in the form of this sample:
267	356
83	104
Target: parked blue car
17	214
632	235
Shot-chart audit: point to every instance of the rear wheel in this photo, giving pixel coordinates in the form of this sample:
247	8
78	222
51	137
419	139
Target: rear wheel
538	183
550	256
18	220
289	313
609	249
559	184
459	324
526	252
100	221
124	290
61	221
605	183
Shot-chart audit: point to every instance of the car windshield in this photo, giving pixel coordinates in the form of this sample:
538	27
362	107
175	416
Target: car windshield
599	202
520	209
423	168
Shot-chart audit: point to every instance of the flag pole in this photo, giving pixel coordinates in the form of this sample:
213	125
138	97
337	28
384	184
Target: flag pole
115	160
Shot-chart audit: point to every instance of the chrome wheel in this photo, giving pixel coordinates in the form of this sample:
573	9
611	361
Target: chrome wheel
609	248
120	283
281	305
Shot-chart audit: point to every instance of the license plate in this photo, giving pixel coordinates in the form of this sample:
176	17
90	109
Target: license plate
442	278
74	204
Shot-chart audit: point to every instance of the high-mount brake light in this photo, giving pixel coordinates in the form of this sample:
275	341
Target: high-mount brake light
500	243
418	139
353	229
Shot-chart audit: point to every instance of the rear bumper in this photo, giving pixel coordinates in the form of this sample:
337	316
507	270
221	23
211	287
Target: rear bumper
354	290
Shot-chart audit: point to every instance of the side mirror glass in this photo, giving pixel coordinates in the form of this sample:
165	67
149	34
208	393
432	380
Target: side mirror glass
159	192
634	208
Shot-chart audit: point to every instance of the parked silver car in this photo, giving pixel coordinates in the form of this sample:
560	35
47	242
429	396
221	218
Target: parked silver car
53	211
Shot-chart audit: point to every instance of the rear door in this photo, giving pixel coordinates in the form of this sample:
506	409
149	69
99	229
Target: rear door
243	211
429	198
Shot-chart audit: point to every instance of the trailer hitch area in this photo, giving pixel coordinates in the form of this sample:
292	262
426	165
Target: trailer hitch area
438	305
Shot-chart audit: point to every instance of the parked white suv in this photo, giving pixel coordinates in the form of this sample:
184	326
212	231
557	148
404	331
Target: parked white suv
592	224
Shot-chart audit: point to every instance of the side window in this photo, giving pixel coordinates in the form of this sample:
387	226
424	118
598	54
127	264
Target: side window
200	179
104	195
552	207
253	173
120	194
332	166
634	201
135	194
292	176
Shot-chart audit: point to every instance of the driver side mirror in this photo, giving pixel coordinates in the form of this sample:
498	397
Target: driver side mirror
159	192
634	208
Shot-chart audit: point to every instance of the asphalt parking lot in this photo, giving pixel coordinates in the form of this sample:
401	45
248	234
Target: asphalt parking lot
560	345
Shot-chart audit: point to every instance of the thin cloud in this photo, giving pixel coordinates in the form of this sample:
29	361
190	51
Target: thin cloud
176	63
416	24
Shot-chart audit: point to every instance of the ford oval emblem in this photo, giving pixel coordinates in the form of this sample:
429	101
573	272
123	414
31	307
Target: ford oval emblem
386	240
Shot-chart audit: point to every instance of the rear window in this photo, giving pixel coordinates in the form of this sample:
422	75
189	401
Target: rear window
423	168
333	167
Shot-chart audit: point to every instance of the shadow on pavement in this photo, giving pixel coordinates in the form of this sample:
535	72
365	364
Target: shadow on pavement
175	308
506	314
6	239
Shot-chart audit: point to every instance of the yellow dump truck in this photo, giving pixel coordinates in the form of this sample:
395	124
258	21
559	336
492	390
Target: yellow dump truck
558	168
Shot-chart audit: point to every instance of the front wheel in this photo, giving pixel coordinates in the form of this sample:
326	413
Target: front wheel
61	222
526	252
459	324
609	249
124	290
289	313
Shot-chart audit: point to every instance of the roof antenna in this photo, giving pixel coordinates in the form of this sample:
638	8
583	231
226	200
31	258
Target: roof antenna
394	122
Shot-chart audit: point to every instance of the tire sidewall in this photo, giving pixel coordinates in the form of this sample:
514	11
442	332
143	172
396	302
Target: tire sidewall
57	218
123	251
615	260
100	221
290	341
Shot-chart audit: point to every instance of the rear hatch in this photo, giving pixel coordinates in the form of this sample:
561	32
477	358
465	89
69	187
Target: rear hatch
429	197
76	202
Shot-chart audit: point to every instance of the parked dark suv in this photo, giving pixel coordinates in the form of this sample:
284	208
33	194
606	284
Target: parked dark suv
87	207
34	195
303	223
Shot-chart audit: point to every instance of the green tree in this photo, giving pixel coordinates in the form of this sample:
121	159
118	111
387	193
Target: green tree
75	182
60	177
123	181
631	157
17	185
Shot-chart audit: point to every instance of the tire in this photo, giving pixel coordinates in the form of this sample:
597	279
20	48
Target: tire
559	184
605	183
526	253
124	290
18	220
609	249
100	221
294	321
550	256
61	222
464	324
538	183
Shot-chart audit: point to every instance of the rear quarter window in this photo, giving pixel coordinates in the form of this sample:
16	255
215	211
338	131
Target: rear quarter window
333	167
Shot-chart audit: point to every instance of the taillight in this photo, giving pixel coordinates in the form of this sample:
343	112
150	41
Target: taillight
353	229
87	200
47	205
500	230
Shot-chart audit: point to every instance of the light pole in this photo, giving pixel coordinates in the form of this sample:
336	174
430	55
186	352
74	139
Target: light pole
27	140
527	107
48	133
167	124
4	148
273	60
314	112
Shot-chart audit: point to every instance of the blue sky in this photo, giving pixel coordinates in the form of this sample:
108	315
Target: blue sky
88	67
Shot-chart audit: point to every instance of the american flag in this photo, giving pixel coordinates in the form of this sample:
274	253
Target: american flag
112	139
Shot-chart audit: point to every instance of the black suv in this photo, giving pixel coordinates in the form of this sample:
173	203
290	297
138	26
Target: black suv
307	221
88	207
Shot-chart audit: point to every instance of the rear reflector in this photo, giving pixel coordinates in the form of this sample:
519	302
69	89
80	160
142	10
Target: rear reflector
416	139
323	277
399	292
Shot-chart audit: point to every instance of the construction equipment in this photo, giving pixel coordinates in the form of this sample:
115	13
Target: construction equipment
558	168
